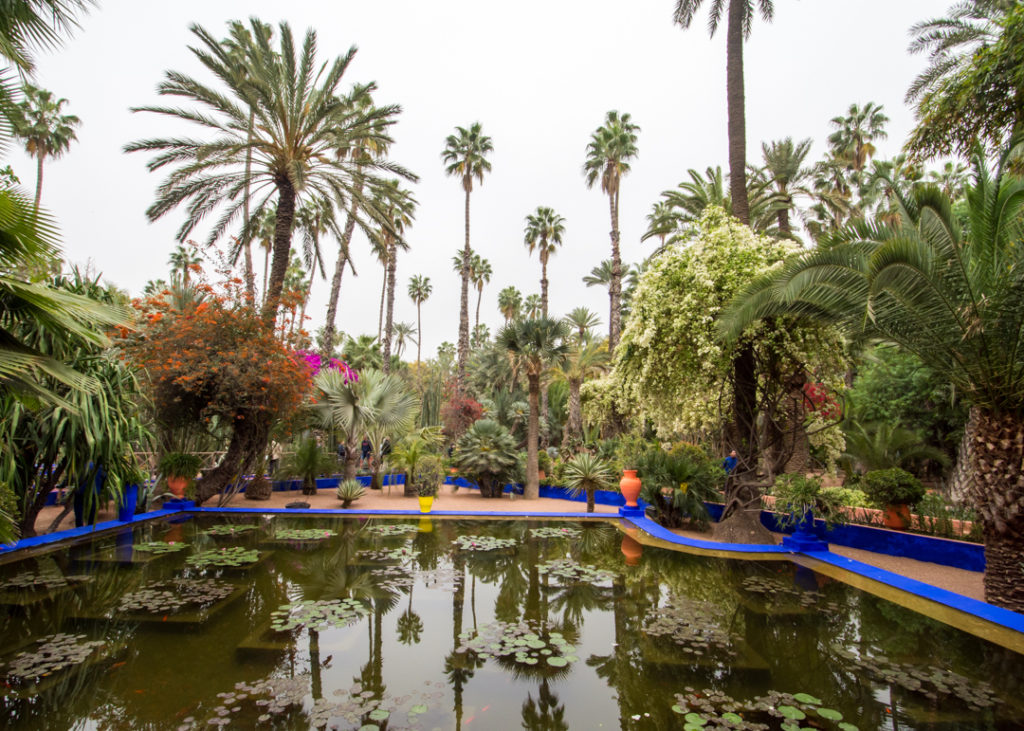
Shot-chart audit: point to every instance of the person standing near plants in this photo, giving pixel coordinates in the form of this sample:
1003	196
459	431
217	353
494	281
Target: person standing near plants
275	456
366	449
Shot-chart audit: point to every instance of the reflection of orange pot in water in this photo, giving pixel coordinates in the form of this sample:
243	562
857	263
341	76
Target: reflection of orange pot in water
177	486
629	485
632	550
175	534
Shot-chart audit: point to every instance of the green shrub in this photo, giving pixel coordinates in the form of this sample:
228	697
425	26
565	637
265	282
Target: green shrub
543	460
179	464
677	484
486	454
429	475
795	494
851	497
892	487
349	491
587	473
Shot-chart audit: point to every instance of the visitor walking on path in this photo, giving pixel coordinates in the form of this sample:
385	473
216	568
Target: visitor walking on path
366	449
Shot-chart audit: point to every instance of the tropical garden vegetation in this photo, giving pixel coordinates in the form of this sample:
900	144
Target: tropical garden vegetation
848	316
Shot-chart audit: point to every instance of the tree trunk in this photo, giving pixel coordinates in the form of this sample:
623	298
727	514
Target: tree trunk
39	178
575	421
305	300
351	456
250	276
543	280
783	218
545	431
532	490
460	371
266	272
380	312
419	335
737	119
339	269
282	248
249	438
997	460
961	482
615	285
390	317
479	297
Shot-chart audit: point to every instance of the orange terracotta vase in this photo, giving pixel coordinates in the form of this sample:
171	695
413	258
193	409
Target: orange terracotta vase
632	550
897	517
177	486
629	486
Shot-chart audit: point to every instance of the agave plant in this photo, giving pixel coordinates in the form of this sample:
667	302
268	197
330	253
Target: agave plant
588	473
487	454
349	491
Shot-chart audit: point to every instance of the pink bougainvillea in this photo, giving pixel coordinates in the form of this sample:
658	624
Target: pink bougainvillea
317	364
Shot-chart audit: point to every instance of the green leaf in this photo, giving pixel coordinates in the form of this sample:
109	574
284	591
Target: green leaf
792	713
805	698
830	714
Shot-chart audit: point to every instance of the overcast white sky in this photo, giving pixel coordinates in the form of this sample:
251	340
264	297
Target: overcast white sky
538	75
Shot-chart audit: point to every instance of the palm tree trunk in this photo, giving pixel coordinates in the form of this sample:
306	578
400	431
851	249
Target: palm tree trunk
282	248
479	296
39	178
543	282
309	291
390	317
339	269
615	285
419	335
996	456
380	312
783	216
460	371
250	277
266	272
532	481
575	421
737	116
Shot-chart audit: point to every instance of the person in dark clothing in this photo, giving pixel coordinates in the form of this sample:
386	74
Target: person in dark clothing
730	462
342	452
365	450
385	448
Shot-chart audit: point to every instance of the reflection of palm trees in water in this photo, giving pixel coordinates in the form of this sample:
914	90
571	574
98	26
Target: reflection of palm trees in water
544	714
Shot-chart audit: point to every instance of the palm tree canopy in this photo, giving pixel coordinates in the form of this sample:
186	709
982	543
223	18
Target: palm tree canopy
855	133
480	272
582	319
465	155
611	147
420	288
38	122
510	301
685	11
543	232
376	402
531	305
25	24
534	345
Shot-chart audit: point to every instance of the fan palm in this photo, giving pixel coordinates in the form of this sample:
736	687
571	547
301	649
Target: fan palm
403	334
662	221
419	291
307	463
531	306
543	234
855	134
740	22
487	454
38	122
510	302
611	147
465	157
182	260
883	446
362	352
582	320
952	297
314	218
534	347
301	122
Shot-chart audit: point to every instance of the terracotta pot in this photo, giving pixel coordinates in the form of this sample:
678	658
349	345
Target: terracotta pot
541	475
897	517
632	550
629	485
426	503
177	486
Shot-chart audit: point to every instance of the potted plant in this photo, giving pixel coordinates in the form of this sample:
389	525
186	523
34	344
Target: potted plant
428	477
798	499
179	468
893	490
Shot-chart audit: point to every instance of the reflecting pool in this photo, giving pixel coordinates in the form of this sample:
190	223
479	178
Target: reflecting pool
290	622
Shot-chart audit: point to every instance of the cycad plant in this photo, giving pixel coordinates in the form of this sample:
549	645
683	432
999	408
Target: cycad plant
486	454
587	473
952	295
882	446
307	462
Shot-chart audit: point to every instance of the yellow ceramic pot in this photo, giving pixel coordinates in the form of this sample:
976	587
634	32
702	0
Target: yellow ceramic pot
426	503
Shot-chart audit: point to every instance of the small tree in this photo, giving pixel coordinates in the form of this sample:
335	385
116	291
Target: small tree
587	473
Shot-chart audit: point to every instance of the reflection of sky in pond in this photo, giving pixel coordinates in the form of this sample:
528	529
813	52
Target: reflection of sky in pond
787	630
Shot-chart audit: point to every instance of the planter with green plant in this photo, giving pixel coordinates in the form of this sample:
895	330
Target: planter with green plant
894	491
798	499
349	491
428	478
178	469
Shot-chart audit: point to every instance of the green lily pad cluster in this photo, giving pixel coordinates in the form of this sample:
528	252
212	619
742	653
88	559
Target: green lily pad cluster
304	534
773	589
160	547
317	615
563	532
398	529
42	581
393	578
272	697
387	554
713	709
234	556
932	682
519	642
483	543
571	571
171	596
228	530
54	653
698	627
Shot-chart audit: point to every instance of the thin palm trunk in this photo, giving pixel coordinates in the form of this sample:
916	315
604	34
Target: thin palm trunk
737	117
383	294
339	269
460	373
282	248
543	280
479	296
419	335
390	317
575	421
532	489
783	215
615	285
250	276
305	300
266	271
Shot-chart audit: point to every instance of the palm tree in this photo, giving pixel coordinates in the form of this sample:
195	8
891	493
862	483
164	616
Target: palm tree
38	122
662	221
855	134
301	121
362	353
314	218
587	473
419	291
952	297
36	23
265	226
465	157
481	275
783	162
531	306
951	179
534	346
182	260
740	23
582	320
611	147
583	361
403	333
397	206
691	197
543	233
510	301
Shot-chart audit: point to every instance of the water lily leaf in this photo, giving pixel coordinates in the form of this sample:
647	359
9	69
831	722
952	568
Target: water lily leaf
380	715
792	713
844	726
418	708
696	719
678	709
830	714
557	662
732	717
805	698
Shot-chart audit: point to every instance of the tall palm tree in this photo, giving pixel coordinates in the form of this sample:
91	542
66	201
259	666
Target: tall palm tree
362	353
855	134
38	122
582	320
29	24
397	206
543	234
738	27
510	302
584	360
301	121
314	218
662	221
265	227
784	165
611	147
534	346
481	275
531	306
951	178
465	157
953	297
419	291
403	333
689	199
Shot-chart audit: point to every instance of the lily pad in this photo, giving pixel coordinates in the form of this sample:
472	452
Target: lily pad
830	713
228	530
224	557
792	712
483	543
160	547
304	534
805	698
